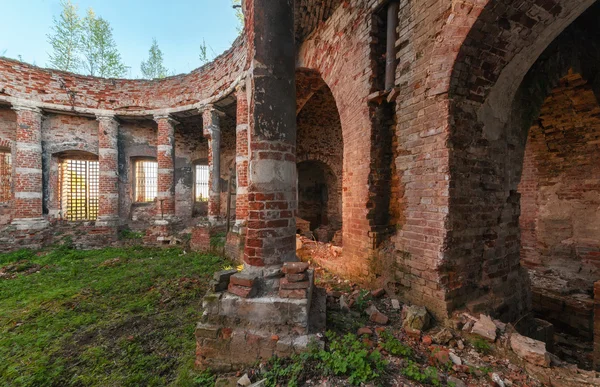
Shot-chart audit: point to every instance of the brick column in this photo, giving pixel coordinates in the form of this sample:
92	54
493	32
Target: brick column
241	160
212	131
272	181
597	326
28	190
165	156
108	160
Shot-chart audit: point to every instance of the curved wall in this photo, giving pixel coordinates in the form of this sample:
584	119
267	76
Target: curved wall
24	83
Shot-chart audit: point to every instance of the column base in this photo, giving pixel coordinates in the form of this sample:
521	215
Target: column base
30	223
236	331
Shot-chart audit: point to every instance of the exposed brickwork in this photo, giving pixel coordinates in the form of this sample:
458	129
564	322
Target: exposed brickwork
212	131
597	325
241	206
165	143
200	239
28	164
108	152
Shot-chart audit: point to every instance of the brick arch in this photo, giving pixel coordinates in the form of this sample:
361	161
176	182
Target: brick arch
481	262
71	147
337	51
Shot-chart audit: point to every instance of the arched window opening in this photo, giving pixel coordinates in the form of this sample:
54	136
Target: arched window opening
79	180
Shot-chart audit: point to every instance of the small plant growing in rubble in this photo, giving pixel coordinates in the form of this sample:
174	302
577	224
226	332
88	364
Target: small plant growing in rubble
362	301
348	356
481	345
428	375
393	346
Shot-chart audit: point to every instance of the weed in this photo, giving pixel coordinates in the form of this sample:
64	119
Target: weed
362	300
429	375
393	346
217	241
128	234
481	345
350	357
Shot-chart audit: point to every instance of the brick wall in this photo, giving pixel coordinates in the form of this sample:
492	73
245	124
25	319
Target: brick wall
560	188
320	141
8	123
20	80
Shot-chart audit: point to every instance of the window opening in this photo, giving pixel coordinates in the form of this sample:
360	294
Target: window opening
146	188
202	176
80	183
5	176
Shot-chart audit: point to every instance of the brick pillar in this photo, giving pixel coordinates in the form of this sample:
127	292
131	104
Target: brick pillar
597	326
165	156
108	160
241	160
272	181
28	190
212	131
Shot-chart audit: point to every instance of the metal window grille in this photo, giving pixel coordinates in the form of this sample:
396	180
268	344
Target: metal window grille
5	176
146	187
80	183
202	177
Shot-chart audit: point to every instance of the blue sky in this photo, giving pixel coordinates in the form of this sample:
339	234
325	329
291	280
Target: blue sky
178	25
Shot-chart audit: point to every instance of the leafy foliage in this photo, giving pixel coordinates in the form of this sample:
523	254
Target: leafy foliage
239	14
393	346
429	375
153	67
65	39
350	357
101	57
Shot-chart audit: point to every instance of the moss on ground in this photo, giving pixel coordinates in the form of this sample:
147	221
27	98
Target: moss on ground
112	317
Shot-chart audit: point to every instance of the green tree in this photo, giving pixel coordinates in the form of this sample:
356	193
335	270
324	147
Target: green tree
100	54
153	67
203	52
65	38
239	14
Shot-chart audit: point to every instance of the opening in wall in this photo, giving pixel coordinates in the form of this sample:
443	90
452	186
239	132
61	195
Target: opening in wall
5	176
201	176
79	189
146	181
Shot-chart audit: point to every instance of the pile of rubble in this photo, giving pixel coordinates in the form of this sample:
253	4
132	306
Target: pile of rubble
469	351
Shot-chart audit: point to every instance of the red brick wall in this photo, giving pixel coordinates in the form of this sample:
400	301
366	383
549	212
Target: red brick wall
8	124
349	79
20	80
560	184
320	140
65	136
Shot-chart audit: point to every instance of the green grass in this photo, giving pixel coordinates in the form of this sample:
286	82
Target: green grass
112	317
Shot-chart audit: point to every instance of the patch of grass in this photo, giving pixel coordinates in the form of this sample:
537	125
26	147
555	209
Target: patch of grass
118	317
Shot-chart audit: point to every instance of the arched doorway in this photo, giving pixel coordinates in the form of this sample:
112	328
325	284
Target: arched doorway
520	119
320	150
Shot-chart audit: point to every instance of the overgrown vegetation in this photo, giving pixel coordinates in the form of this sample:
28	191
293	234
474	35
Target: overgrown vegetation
112	317
345	356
